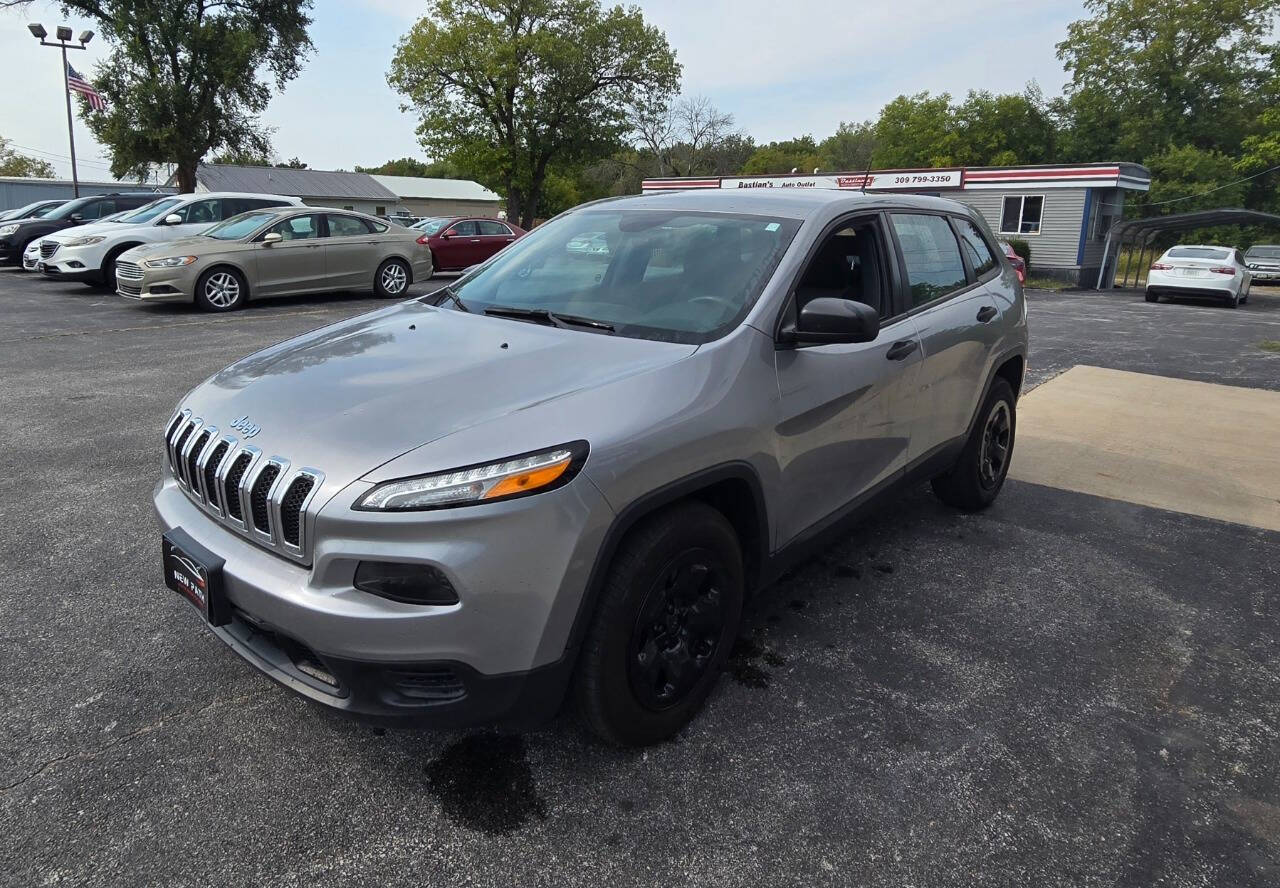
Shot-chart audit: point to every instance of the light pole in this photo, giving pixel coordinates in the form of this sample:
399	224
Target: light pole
64	34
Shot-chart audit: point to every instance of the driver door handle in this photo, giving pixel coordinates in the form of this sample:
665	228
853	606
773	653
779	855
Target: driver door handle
986	313
901	349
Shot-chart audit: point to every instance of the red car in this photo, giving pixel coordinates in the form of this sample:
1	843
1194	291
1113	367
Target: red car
1016	261
458	242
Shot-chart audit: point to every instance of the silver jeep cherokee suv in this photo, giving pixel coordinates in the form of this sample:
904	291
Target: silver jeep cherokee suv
564	474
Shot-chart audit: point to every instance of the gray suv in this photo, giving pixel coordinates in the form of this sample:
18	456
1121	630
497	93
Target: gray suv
563	475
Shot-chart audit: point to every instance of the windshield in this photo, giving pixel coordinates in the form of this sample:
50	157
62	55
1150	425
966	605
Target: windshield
1198	253
1263	252
430	226
31	210
147	212
240	226
656	274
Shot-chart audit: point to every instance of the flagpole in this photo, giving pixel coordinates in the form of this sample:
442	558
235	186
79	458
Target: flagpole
71	132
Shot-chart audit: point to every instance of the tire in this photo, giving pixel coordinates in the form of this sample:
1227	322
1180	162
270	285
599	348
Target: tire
1244	297
221	289
392	279
666	620
107	274
1152	297
972	484
1233	301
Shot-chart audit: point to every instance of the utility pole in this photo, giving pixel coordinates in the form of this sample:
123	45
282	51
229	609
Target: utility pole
64	34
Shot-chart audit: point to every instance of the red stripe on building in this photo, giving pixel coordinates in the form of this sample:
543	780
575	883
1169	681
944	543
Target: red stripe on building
995	176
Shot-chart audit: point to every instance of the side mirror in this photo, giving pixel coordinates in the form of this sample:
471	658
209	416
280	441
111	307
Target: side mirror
831	319
173	219
76	218
272	237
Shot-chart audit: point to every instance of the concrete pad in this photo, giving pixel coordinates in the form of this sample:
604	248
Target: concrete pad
1191	447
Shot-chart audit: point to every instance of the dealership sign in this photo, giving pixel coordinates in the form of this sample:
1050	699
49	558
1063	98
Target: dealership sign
905	180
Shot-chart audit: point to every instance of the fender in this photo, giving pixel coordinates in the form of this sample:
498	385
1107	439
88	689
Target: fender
652	502
1015	352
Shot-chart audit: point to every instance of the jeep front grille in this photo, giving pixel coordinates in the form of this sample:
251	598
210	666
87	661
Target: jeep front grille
259	497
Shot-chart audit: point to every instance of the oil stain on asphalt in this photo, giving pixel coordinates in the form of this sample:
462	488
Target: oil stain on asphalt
483	782
745	660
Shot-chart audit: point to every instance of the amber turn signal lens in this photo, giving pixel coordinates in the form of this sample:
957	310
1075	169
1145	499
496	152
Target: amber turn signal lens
528	480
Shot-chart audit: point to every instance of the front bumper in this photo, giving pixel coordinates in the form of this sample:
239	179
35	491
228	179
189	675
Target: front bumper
498	656
10	253
1268	275
158	285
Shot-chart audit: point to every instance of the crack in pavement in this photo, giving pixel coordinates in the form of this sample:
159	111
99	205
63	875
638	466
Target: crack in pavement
124	738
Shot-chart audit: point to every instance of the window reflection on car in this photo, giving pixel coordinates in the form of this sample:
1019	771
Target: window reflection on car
678	276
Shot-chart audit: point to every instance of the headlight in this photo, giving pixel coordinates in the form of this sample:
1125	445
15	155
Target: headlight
84	241
515	477
171	261
6	230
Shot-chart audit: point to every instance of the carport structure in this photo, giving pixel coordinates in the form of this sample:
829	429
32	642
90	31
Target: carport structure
1141	233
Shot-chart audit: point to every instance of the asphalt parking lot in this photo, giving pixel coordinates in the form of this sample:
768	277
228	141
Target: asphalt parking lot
1066	690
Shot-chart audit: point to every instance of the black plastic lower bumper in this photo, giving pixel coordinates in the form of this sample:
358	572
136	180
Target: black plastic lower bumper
434	694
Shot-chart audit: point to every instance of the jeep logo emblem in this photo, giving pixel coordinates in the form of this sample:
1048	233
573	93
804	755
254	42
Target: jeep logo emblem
248	429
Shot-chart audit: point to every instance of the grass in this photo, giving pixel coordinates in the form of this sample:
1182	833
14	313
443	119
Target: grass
1271	345
1035	283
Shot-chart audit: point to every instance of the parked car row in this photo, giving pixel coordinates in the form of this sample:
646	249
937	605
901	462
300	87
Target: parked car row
1200	270
218	250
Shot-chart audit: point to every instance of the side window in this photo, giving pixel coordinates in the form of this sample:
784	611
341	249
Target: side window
347	226
202	212
975	247
494	228
1021	214
297	228
932	257
378	227
97	209
849	265
465	229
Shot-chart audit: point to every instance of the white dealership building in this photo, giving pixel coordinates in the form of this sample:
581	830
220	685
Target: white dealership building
1062	212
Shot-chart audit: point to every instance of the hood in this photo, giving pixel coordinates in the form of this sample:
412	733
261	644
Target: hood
179	247
87	229
346	398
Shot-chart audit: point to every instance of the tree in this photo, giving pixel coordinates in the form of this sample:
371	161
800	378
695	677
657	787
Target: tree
850	147
686	139
512	87
292	163
182	78
1003	130
409	166
799	154
243	157
916	131
1185	73
14	164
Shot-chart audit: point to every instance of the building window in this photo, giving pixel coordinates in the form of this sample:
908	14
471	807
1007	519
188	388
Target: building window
1021	214
379	211
348	207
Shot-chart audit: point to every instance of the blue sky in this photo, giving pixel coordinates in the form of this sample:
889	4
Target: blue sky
781	74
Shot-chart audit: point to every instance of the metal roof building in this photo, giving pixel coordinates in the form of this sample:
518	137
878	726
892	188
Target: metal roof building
18	191
1064	213
377	195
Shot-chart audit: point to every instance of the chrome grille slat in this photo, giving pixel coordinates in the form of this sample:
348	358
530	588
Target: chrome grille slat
48	248
259	497
128	271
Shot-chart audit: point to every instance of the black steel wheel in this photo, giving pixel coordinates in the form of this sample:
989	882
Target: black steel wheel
667	614
975	480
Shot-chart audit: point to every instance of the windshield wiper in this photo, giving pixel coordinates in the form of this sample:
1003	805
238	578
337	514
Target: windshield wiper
547	317
448	291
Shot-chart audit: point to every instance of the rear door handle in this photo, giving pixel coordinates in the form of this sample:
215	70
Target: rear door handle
901	349
986	313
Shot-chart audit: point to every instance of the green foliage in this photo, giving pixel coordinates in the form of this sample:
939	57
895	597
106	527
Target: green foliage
850	147
14	164
243	157
799	154
1161	73
183	76
410	166
916	131
1023	249
513	87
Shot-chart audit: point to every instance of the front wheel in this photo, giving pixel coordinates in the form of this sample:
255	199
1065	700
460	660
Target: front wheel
667	617
392	279
975	480
221	289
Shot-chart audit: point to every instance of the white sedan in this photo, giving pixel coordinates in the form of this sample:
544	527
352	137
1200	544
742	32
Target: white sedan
1186	270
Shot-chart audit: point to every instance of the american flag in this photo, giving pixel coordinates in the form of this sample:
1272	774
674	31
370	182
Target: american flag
76	83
